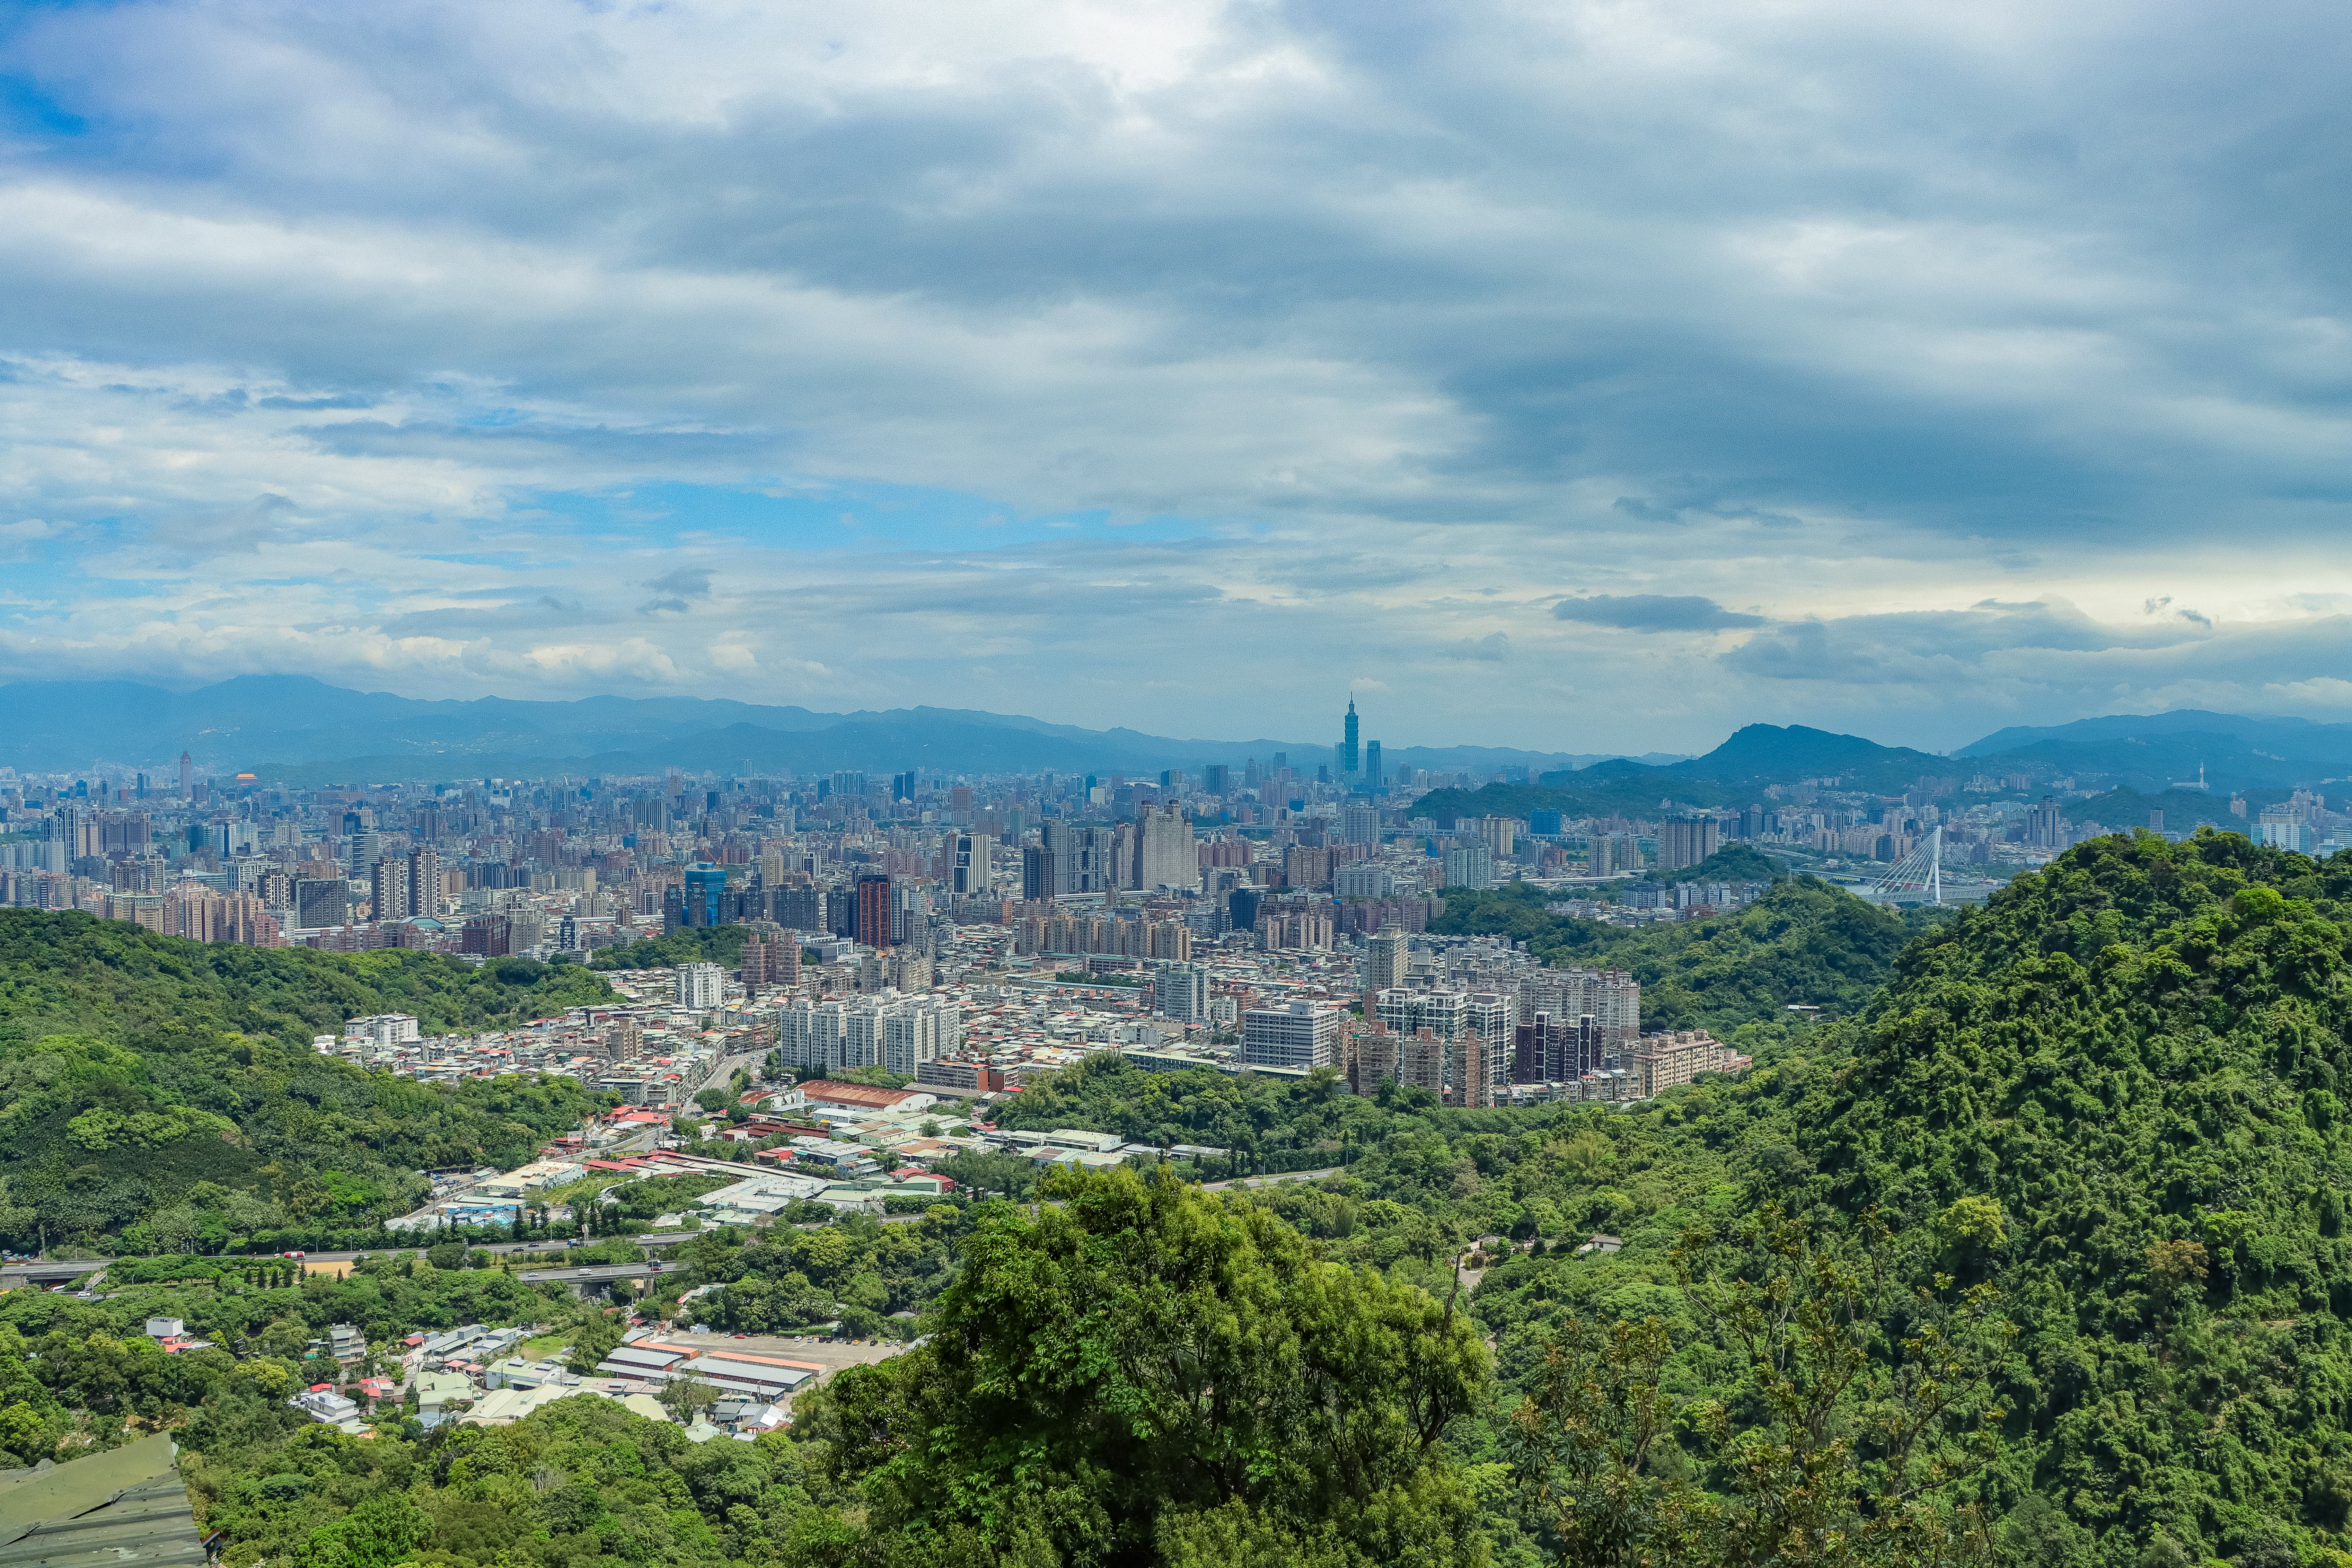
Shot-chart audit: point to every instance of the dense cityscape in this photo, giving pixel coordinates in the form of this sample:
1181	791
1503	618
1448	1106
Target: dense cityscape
963	932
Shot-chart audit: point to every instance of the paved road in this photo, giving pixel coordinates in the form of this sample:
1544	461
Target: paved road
14	1275
595	1273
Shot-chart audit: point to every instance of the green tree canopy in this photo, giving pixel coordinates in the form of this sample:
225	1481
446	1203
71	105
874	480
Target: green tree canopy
1137	1356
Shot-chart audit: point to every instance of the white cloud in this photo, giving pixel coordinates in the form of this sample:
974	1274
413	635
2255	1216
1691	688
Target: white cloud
431	343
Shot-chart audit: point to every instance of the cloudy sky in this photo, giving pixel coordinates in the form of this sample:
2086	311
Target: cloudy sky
1580	376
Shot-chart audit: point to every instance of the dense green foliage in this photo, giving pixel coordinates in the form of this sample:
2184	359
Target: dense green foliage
2137	1054
1732	863
168	1087
2110	1096
1604	789
2037	1257
688	945
74	973
857	1272
1142	1373
2126	808
1803	942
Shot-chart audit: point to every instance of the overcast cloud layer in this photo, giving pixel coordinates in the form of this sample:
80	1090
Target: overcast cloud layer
1589	376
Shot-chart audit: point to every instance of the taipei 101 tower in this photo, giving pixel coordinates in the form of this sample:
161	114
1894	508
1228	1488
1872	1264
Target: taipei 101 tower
1350	754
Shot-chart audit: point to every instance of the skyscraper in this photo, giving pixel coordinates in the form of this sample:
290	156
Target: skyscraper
388	890
1373	778
1386	956
1167	856
188	775
873	910
1038	878
970	875
1350	756
706	887
323	901
1687	841
425	880
1083	855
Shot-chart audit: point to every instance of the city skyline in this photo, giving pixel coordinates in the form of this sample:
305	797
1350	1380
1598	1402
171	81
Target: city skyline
1085	363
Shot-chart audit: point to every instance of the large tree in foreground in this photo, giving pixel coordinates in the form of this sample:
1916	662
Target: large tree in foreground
1142	1372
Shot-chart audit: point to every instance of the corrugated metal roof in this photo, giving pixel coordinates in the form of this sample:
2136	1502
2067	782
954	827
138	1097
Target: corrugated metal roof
126	1507
723	1369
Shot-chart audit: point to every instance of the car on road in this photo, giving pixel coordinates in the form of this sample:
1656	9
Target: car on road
295	1254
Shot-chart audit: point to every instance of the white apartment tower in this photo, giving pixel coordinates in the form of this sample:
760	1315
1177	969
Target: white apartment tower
701	986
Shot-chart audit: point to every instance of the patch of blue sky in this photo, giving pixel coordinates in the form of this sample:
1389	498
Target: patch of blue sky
838	517
26	108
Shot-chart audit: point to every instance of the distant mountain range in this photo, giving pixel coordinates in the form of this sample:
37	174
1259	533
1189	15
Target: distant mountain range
2136	759
297	729
2150	751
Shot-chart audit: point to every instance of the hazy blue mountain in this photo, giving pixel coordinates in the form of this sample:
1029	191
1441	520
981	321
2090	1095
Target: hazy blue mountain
302	729
2282	736
1734	774
2149	751
1774	752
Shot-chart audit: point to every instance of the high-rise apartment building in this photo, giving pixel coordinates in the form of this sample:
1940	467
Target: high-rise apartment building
701	986
841	912
1489	1026
969	872
1038	882
1085	857
1167	856
1303	1035
323	901
797	909
1359	823
1610	997
1469	866
1687	841
424	881
873	910
1181	991
1550	1048
1386	956
388	889
1477	1030
910	1035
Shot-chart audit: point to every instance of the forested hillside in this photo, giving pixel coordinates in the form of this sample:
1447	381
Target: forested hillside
2108	1100
2135	1056
167	1089
1803	942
